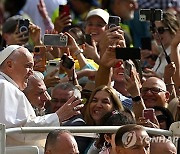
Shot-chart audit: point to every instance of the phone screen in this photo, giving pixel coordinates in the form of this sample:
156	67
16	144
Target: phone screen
149	114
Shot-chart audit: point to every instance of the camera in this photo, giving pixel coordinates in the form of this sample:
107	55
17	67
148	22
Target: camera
58	40
114	21
67	62
23	25
150	15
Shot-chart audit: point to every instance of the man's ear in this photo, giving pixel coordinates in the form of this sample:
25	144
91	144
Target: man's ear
107	138
167	95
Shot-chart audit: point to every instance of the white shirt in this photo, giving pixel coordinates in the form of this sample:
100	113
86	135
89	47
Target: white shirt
161	63
16	110
31	9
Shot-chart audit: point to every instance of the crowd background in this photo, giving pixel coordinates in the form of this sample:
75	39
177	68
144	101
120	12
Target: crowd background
81	82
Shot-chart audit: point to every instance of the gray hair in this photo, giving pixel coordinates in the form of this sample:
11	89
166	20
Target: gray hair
68	86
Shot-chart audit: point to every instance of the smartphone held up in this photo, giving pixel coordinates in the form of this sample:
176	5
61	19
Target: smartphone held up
57	40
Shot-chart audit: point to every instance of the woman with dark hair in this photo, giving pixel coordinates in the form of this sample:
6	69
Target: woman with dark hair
103	100
164	117
167	29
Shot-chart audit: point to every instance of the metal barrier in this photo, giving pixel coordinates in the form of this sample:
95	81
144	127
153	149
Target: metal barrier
72	129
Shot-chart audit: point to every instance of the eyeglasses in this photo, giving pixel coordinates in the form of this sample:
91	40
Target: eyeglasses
161	118
153	90
160	30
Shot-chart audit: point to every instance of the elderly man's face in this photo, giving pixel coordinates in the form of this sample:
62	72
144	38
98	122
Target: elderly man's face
154	93
22	68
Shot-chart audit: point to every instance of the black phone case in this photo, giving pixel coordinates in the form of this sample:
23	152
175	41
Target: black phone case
128	53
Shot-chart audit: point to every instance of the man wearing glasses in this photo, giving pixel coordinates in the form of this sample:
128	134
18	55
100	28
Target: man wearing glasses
154	93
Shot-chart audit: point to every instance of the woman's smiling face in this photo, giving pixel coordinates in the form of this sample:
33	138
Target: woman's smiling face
100	105
95	26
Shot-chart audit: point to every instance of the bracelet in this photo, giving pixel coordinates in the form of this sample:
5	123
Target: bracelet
170	84
78	52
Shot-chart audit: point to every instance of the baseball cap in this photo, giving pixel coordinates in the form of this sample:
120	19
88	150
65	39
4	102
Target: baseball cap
99	12
10	24
5	53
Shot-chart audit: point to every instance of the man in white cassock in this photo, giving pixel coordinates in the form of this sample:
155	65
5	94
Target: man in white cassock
16	65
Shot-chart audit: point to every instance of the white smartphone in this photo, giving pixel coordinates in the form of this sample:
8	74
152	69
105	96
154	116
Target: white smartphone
52	66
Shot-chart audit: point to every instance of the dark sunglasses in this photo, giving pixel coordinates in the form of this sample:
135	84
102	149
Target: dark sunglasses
161	118
160	30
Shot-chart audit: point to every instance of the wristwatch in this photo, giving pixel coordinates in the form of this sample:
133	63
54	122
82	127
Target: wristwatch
136	99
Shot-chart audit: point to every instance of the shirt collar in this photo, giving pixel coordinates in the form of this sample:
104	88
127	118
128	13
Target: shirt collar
9	79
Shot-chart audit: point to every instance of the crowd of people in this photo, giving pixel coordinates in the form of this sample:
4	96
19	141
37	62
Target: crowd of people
59	67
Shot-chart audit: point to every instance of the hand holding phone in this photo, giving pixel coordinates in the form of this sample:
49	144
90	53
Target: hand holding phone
149	113
114	21
88	39
58	40
67	62
64	9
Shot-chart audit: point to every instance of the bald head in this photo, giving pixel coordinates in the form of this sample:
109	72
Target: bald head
154	93
155	81
163	146
61	142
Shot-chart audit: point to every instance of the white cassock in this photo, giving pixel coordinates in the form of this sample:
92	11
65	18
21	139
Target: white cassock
16	111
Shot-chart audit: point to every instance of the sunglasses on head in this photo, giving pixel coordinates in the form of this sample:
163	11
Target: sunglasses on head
160	30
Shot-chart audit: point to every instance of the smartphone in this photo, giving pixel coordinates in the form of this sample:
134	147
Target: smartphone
52	66
64	9
114	21
128	53
127	67
57	40
149	113
23	25
39	58
67	62
88	39
150	15
146	43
